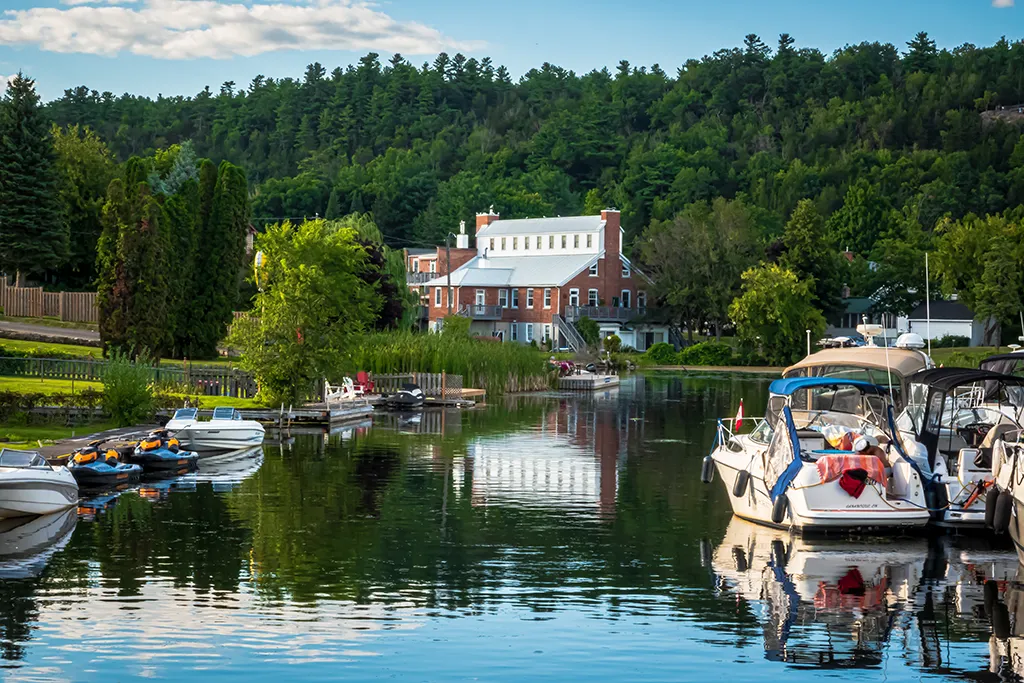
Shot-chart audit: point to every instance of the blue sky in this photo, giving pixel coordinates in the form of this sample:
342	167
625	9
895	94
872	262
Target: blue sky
178	46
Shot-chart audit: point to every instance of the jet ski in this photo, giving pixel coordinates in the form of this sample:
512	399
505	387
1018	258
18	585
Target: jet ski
93	468
159	452
409	396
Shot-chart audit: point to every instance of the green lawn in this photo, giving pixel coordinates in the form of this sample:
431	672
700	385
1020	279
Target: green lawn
33	385
964	356
30	436
73	349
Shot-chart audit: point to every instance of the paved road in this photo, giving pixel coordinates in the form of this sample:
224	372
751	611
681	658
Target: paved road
70	334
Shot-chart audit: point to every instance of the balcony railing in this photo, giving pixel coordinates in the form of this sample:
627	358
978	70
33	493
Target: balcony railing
602	313
419	278
481	312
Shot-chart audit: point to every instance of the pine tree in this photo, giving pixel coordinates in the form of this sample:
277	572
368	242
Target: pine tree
333	206
33	233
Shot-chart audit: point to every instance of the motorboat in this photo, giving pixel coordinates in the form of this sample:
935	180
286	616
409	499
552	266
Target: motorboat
409	396
955	421
28	543
30	486
95	467
225	431
160	452
823	458
882	365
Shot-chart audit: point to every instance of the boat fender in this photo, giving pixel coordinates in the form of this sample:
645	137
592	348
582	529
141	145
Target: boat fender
707	470
780	509
938	500
1001	517
779	556
740	485
990	507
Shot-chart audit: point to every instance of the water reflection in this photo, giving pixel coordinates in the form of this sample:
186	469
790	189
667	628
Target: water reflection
543	537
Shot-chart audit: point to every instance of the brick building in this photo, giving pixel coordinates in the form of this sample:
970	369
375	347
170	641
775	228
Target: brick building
532	279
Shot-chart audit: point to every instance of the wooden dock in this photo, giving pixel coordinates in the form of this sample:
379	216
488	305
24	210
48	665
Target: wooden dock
587	382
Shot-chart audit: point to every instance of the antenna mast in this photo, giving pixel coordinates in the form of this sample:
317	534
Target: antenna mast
928	303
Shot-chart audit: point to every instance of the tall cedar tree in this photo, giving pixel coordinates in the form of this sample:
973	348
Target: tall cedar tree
33	234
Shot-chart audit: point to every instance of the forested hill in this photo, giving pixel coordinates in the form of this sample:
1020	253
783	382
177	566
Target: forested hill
873	126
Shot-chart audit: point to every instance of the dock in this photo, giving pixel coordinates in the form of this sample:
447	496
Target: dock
587	381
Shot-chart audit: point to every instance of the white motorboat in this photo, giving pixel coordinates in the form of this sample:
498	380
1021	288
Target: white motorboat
30	486
822	458
226	431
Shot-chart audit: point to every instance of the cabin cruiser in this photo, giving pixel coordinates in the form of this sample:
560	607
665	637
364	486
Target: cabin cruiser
226	431
30	486
955	421
822	458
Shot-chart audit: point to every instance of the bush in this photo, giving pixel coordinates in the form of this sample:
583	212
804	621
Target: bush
950	341
589	330
661	353
127	394
959	359
707	353
612	344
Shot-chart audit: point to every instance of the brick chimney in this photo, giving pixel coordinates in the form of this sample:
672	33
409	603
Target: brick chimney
612	238
485	219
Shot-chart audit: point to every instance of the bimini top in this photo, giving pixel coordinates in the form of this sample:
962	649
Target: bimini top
902	362
789	386
945	379
1003	362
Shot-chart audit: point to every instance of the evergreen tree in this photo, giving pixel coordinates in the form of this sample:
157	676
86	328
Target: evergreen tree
333	206
810	255
33	233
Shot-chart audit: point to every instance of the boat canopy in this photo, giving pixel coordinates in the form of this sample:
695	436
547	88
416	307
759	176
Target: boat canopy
21	459
791	385
224	413
1006	363
902	362
185	414
945	379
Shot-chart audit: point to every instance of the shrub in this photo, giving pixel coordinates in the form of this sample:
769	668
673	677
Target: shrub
589	330
706	353
612	344
127	394
959	359
950	341
661	353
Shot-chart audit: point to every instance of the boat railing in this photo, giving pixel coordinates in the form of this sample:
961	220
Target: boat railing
727	427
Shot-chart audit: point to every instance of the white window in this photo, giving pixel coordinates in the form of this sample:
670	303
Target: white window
593	270
529	298
415	265
551	241
515	243
503	244
625	270
574	297
547	332
590	240
575	241
547	297
515	332
492	244
503	298
529	332
625	298
526	243
591	297
480	297
538	241
515	298
641	299
437	297
433	265
451	295
565	240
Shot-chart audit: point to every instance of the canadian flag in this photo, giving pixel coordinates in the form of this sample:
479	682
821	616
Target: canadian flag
739	416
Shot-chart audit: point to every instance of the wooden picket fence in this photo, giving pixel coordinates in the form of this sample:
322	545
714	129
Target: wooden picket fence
205	380
33	302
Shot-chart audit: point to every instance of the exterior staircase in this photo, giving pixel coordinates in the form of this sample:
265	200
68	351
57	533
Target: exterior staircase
567	331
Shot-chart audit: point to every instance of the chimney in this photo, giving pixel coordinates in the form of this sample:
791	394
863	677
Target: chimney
485	219
612	237
462	240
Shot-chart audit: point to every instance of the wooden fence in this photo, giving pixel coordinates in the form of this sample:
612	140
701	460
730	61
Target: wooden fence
440	385
33	302
205	380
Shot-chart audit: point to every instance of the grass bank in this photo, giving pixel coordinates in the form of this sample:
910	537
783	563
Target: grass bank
51	387
13	435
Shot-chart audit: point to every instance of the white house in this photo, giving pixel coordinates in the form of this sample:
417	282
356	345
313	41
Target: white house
950	318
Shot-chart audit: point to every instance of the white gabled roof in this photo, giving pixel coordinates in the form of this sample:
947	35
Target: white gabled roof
517	271
542	226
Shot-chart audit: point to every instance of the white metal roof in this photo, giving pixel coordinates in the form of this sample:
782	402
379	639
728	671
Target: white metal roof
542	226
517	271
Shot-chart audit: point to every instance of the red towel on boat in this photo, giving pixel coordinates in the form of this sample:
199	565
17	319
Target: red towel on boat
853	481
831	467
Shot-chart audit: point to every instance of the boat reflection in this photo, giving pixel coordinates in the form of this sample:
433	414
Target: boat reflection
226	471
28	543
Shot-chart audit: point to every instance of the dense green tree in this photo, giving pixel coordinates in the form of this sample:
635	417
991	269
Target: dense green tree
809	252
33	232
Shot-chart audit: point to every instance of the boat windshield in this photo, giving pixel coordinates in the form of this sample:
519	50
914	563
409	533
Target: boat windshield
22	459
226	414
847	406
185	414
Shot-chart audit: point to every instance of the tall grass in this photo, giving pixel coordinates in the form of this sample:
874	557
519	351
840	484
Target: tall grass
498	368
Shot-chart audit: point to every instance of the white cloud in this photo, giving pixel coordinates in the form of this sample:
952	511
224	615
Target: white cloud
1002	3
3	83
219	29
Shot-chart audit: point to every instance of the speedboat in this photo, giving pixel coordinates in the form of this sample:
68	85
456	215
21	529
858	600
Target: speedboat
409	396
824	457
159	452
28	543
955	421
93	468
226	431
30	486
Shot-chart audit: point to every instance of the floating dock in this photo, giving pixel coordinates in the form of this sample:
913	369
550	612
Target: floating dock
587	382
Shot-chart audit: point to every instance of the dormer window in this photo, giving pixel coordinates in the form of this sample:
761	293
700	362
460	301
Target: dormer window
551	241
575	241
526	243
565	240
538	241
625	270
515	243
492	244
503	244
593	269
590	240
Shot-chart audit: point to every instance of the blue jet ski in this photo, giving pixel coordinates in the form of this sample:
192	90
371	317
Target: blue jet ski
93	467
160	452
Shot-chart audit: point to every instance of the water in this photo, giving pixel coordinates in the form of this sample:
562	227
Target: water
542	538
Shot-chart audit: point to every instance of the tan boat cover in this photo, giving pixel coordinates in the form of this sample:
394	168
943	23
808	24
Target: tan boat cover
902	362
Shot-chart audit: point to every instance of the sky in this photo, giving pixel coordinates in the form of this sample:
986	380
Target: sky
176	47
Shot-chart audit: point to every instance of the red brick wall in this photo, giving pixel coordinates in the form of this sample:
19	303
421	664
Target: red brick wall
458	256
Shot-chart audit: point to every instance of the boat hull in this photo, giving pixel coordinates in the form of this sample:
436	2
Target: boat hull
90	476
36	492
164	460
200	437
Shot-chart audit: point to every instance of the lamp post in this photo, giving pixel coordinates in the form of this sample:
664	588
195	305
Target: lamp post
808	342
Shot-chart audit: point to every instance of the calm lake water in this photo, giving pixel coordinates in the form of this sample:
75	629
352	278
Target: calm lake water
541	538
